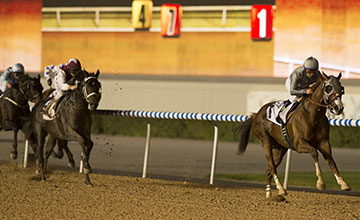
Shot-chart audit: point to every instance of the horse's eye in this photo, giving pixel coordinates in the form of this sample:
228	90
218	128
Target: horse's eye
328	89
342	90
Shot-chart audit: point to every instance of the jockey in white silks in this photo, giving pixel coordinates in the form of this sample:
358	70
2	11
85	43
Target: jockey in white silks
9	77
63	74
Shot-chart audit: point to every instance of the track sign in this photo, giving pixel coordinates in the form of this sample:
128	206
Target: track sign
141	14
261	22
170	20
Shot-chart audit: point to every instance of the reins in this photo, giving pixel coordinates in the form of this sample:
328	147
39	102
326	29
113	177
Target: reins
15	103
316	103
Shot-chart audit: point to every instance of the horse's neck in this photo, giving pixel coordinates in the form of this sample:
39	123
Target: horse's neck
79	99
317	97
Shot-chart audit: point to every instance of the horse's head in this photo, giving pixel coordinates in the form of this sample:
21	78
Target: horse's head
333	91
31	88
91	89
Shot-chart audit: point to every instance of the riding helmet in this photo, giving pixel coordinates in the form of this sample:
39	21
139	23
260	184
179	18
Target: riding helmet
311	63
18	68
73	64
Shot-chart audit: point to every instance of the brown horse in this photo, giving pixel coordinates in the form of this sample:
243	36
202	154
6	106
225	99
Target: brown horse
307	127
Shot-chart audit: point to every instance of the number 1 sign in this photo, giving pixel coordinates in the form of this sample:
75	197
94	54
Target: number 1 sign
261	22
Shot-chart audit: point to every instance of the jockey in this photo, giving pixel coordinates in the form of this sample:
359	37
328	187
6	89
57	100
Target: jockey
64	75
10	76
299	81
298	84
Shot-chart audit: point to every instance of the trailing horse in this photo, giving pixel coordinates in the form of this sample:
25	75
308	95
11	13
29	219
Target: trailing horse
72	122
14	106
307	129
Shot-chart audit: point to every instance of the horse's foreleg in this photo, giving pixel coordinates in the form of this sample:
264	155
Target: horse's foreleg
63	144
320	183
13	152
86	145
304	147
60	153
51	142
40	157
325	149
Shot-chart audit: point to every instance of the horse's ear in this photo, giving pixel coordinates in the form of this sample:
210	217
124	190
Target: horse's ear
324	75
97	73
38	77
339	76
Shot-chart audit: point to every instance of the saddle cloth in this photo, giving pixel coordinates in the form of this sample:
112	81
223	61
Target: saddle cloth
274	115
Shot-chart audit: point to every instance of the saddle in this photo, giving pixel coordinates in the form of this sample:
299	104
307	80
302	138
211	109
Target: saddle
278	112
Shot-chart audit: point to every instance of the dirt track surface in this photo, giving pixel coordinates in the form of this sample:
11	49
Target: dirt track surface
65	196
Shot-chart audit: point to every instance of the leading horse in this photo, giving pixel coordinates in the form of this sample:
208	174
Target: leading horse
307	127
72	122
15	109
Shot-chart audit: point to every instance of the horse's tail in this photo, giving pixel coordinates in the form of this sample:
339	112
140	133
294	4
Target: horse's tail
244	130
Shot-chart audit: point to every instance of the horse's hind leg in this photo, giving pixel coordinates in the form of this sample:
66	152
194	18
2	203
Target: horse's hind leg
271	170
325	150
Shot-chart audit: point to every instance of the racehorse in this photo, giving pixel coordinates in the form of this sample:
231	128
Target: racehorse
72	122
14	106
307	127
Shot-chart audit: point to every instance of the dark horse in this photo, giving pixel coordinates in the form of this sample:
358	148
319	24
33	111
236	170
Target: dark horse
14	106
307	127
72	122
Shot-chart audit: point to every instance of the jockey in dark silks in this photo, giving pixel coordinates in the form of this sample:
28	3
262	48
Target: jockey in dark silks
10	76
298	84
299	81
63	80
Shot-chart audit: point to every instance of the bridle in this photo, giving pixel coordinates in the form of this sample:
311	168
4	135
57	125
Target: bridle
87	96
327	101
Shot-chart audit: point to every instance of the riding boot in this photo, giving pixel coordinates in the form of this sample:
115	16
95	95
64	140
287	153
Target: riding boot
48	109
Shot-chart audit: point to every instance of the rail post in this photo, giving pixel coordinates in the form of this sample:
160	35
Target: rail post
214	154
287	168
26	153
147	147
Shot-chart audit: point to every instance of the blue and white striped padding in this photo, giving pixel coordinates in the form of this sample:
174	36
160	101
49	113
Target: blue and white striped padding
345	122
175	115
206	116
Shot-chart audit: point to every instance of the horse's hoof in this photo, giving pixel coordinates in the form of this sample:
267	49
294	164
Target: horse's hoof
87	171
13	156
71	164
282	192
345	187
320	186
88	183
